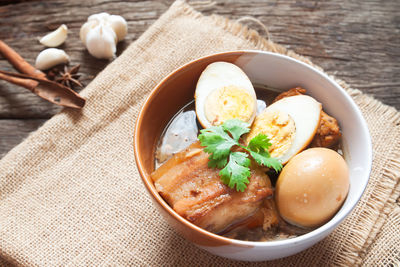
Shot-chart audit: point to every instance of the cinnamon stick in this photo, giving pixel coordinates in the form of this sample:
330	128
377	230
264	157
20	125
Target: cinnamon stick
49	90
36	81
18	62
28	84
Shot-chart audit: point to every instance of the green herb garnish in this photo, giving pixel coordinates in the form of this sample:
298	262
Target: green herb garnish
218	142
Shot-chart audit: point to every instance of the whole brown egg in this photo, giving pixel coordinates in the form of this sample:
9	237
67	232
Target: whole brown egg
312	187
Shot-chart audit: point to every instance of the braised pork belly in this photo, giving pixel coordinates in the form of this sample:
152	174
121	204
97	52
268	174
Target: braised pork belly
197	193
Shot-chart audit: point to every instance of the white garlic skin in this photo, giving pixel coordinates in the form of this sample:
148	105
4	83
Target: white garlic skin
101	41
85	29
101	33
119	25
51	57
99	16
56	37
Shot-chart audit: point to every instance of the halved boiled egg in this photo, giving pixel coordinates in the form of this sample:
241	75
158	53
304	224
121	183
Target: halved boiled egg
289	123
224	92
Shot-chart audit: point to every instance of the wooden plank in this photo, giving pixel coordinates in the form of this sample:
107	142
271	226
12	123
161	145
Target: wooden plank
358	41
12	132
22	24
355	40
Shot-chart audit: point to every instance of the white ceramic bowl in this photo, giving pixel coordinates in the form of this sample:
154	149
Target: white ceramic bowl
276	71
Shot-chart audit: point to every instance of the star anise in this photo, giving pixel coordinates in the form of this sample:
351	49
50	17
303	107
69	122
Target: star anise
69	77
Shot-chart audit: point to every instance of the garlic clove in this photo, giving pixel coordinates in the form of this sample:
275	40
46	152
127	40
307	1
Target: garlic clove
119	25
99	17
101	41
88	26
55	38
50	57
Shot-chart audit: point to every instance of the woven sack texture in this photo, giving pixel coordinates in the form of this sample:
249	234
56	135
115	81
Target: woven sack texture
70	194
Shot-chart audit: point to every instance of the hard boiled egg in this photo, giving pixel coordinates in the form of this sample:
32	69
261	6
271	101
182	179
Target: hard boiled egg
224	92
312	187
289	123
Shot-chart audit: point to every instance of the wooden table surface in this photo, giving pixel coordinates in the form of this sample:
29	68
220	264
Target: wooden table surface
358	41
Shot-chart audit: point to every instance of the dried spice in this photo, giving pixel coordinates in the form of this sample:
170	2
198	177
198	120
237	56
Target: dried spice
35	81
69	77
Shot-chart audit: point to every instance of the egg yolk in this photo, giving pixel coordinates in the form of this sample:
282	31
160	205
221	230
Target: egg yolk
229	102
280	129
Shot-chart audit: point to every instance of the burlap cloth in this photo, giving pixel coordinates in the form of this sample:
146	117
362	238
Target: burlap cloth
70	194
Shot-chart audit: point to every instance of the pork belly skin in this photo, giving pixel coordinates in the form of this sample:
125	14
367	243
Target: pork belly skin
197	193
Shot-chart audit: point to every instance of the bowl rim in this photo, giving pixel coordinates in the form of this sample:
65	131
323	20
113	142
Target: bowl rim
327	227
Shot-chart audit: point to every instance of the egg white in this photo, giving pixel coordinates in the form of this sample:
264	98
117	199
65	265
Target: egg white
219	75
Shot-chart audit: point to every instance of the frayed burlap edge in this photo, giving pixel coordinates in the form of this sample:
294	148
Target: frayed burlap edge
383	256
390	182
364	234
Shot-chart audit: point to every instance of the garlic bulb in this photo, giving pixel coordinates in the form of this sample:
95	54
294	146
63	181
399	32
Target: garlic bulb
101	33
50	57
119	25
101	41
55	38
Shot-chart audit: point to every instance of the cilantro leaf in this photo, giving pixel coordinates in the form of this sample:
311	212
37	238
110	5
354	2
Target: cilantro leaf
217	163
216	142
263	158
259	142
258	149
236	127
236	171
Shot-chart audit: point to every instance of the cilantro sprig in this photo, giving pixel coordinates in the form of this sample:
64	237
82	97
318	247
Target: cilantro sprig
218	142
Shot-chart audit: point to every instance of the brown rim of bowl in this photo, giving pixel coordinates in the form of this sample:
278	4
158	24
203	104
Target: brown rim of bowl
329	226
147	180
